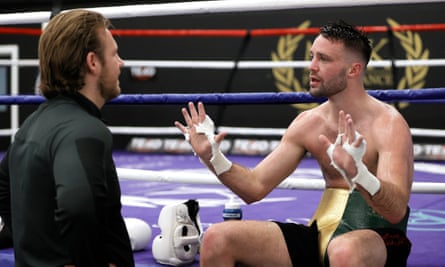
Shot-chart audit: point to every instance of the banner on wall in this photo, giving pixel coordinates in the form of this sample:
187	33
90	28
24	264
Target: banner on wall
252	147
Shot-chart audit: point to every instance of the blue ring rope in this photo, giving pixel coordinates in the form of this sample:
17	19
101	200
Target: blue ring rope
427	95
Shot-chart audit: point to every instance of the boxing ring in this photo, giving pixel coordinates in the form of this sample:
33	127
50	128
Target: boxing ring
149	181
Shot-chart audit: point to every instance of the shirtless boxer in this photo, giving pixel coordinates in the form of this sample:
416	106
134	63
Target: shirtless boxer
364	149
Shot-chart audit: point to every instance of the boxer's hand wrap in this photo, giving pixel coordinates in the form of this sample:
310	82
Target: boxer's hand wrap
364	178
219	162
330	152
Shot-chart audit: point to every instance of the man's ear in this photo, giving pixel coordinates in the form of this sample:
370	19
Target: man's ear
92	62
355	69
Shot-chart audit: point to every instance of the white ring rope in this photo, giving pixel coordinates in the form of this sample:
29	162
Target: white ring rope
280	131
244	64
250	131
246	131
289	183
203	7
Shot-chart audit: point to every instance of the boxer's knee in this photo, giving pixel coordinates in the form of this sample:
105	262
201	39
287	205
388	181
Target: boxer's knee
214	241
357	249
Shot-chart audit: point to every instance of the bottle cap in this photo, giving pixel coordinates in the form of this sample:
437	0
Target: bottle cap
232	204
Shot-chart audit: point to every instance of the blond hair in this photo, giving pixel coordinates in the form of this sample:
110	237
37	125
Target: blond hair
63	47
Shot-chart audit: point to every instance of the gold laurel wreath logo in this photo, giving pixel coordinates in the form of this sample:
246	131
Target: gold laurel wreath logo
285	79
414	75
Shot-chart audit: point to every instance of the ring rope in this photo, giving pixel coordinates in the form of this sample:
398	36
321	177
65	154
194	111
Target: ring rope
244	64
390	95
409	95
202	7
289	183
248	131
234	32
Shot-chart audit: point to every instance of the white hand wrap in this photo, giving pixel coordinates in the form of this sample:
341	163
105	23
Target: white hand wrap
330	152
364	178
219	162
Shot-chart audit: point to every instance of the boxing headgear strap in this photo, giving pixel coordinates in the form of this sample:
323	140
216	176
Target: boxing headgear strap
364	178
219	162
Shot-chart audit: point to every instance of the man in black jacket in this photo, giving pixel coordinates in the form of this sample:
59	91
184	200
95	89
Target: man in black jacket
59	190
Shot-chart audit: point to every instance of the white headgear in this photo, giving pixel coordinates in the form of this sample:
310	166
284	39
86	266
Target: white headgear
180	235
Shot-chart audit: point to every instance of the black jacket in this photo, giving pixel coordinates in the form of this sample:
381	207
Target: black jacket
59	191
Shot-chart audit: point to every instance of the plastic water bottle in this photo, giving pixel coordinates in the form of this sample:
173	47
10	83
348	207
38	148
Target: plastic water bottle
232	211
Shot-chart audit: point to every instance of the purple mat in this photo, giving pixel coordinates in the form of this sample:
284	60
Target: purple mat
144	200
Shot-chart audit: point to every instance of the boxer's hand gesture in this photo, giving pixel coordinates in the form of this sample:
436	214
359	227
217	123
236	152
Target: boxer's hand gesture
347	138
195	118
